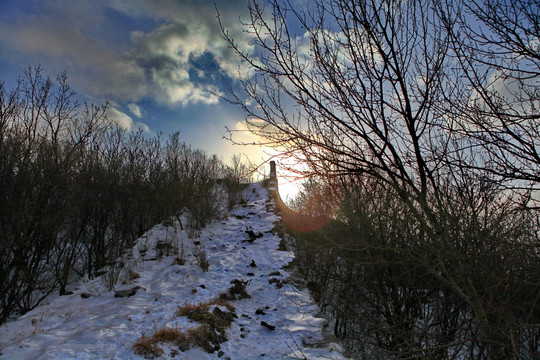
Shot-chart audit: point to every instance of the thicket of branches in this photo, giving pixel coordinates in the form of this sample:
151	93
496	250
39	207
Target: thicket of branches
394	291
422	119
76	190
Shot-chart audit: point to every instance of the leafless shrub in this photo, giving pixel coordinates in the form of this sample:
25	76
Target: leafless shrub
77	190
201	257
111	276
434	106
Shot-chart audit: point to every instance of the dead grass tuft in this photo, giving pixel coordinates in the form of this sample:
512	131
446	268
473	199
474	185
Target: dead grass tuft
170	335
146	346
188	308
185	309
211	333
236	292
207	337
133	274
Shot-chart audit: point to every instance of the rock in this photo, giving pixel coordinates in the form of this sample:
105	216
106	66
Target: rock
174	352
220	353
218	313
253	265
250	274
236	292
260	311
278	282
126	292
275	273
253	235
85	295
267	325
202	286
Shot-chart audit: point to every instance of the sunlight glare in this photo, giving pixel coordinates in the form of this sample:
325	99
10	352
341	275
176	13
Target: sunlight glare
289	180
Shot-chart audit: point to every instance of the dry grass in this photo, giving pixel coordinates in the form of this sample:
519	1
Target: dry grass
170	335
209	335
147	347
188	308
235	292
133	274
185	309
229	306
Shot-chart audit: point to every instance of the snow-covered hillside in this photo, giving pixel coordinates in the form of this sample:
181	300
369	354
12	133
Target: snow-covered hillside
276	321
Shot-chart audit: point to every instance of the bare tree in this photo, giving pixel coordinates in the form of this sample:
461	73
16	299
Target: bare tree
355	92
367	88
496	45
76	190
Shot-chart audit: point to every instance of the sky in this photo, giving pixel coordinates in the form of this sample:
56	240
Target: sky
161	64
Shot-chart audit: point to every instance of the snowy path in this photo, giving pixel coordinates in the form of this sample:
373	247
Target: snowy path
105	327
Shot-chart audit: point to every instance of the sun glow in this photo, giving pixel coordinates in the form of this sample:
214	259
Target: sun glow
288	189
289	167
289	170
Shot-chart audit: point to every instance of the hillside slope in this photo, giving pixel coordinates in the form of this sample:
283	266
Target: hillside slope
102	326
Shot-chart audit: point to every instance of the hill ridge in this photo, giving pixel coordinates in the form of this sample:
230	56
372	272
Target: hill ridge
277	321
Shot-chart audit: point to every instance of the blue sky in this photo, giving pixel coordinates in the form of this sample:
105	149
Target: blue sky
160	63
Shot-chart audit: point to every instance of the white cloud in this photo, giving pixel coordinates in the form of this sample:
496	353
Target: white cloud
75	36
190	29
135	110
143	126
121	119
125	121
167	54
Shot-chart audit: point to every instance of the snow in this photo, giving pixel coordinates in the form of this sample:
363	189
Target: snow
105	327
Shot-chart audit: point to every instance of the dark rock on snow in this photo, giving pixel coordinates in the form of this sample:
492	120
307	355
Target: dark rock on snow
126	292
268	326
